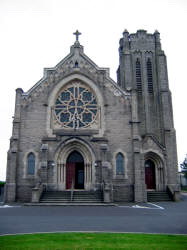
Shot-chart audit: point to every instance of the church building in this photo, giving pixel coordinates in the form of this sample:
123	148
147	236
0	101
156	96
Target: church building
79	136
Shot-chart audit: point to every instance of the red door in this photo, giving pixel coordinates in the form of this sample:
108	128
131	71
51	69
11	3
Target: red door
150	174
70	175
75	171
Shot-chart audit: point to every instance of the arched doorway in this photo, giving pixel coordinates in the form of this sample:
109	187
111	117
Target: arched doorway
150	174
86	158
75	171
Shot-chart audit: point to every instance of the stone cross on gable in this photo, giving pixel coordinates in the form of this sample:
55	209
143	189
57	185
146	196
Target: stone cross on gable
77	34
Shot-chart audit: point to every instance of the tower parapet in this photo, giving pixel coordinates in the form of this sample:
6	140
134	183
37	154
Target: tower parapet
140	41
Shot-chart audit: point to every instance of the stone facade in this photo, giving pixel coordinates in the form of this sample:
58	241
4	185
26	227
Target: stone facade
119	128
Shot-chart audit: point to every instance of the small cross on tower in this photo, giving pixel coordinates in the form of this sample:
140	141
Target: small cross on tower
77	34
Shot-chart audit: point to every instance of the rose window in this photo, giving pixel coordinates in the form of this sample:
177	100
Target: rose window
76	107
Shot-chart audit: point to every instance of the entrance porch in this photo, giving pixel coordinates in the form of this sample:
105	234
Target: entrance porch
75	167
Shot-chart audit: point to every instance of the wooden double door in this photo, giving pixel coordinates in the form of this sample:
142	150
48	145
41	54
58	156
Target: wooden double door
75	171
150	174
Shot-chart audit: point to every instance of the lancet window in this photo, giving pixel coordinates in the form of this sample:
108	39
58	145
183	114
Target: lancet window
31	164
119	164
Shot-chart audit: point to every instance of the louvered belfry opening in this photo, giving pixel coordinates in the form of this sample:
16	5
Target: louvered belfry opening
138	76
149	76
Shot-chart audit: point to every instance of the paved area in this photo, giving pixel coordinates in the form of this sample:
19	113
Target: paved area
162	217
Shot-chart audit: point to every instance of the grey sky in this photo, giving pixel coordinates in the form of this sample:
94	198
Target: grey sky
38	33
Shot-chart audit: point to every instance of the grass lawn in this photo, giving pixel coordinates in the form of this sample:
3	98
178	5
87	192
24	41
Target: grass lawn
59	241
184	189
2	183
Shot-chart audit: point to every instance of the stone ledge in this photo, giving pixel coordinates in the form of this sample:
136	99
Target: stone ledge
69	204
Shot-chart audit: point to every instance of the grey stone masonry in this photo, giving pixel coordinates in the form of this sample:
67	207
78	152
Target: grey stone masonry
123	131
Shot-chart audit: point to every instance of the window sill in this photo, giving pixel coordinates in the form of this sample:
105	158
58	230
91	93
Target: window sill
30	176
68	132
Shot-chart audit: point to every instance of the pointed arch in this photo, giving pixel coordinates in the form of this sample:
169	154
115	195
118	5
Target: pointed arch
31	162
75	170
52	126
120	161
156	163
62	157
150	174
75	156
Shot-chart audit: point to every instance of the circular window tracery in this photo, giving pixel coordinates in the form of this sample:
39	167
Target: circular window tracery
76	107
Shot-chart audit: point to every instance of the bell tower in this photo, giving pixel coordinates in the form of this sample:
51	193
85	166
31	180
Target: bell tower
143	70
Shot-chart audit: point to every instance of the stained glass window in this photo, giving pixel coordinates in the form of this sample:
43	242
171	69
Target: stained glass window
76	106
31	164
119	164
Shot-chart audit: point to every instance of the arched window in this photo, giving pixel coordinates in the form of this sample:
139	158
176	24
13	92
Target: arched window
31	164
75	157
149	76
119	164
76	107
150	174
138	76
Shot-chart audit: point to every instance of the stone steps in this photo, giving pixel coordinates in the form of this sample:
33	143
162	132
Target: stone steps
65	197
153	196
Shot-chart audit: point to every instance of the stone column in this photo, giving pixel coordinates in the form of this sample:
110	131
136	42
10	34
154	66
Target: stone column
126	62
12	159
10	187
88	175
139	182
43	163
106	180
168	130
140	194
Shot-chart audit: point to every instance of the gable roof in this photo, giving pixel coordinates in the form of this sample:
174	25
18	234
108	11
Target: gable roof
75	62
